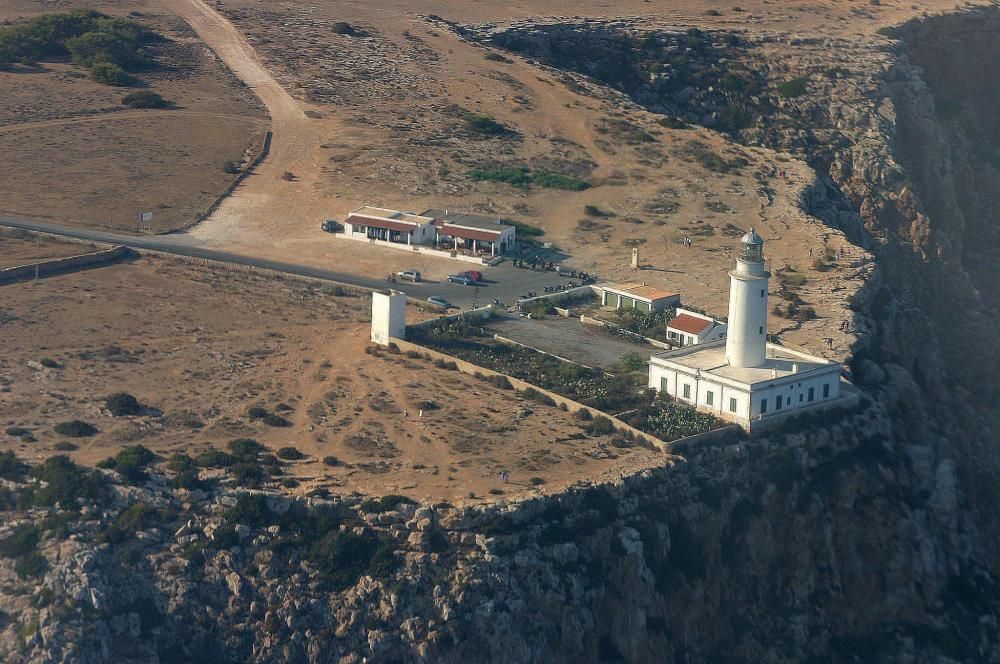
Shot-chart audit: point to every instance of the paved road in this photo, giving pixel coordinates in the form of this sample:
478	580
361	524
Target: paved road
503	282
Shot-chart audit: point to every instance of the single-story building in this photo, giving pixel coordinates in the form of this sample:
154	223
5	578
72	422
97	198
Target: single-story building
787	381
471	232
690	327
639	296
393	226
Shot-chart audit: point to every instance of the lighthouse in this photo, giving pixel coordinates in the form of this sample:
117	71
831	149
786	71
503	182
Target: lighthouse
746	338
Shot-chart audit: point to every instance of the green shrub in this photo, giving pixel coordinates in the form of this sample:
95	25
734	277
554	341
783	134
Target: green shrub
134	455
601	426
273	420
16	431
551	180
12	468
144	99
214	458
246	449
343	557
498	381
31	565
290	454
518	176
188	479
249	475
179	462
795	87
257	413
49	363
525	230
75	429
65	446
631	361
109	73
23	540
121	404
250	510
331	461
66	483
484	124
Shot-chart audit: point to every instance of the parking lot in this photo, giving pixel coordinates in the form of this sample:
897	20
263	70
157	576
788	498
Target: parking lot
503	282
570	339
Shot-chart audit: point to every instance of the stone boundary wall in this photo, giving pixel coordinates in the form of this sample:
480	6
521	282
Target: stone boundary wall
265	149
481	312
573	406
62	265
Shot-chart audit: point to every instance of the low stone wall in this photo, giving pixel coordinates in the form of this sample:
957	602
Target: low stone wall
64	265
559	296
571	405
265	149
481	312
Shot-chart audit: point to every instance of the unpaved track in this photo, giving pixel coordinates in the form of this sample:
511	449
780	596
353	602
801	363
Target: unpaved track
265	199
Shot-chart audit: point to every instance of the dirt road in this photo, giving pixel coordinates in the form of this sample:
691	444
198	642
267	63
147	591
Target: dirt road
294	147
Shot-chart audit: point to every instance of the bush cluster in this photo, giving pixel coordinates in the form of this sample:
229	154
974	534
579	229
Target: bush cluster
523	177
109	47
122	404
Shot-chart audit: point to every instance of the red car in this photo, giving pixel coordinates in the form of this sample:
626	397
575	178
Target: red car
474	275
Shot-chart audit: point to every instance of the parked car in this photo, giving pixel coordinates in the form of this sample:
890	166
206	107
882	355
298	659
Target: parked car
461	279
473	274
440	302
408	275
331	226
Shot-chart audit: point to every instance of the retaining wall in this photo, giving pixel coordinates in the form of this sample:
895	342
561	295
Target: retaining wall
64	265
664	446
481	312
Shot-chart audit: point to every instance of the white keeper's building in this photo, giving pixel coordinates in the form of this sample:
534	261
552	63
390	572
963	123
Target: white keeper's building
742	378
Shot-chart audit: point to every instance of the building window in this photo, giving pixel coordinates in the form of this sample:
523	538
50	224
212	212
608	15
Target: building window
812	393
663	383
732	405
826	390
687	391
709	398
762	292
777	402
763	406
760	331
800	397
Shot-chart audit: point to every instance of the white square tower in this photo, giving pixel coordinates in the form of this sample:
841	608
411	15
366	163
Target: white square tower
388	316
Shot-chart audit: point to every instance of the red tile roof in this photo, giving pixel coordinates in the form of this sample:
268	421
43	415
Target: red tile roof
689	324
364	220
468	233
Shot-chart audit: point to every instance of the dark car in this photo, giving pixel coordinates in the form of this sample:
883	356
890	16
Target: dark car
331	226
473	274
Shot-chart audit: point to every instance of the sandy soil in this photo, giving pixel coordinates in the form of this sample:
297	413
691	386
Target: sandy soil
22	248
98	163
200	347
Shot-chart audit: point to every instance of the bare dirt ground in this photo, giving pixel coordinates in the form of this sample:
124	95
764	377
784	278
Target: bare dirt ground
22	248
199	347
379	121
74	153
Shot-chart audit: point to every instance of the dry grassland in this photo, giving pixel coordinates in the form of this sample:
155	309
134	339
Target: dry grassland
200	347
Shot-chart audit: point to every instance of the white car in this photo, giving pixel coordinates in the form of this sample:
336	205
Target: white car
440	302
408	275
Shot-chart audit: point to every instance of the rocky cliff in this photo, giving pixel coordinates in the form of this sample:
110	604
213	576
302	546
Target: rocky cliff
870	537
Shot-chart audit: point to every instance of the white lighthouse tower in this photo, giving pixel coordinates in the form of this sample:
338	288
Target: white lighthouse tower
746	339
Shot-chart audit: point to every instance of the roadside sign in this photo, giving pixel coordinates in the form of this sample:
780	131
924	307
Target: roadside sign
146	216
